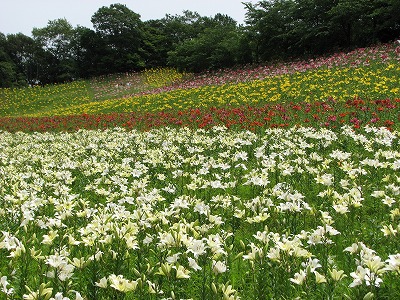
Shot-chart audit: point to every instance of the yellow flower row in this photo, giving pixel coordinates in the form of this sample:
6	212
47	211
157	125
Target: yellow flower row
367	82
159	77
377	82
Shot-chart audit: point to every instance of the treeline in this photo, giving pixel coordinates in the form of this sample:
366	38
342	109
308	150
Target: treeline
121	42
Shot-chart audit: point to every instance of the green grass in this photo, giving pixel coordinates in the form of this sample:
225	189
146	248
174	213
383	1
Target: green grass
54	99
40	100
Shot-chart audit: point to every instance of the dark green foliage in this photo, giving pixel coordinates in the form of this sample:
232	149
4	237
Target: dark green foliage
93	54
57	39
121	31
7	67
19	56
217	46
165	35
7	73
297	28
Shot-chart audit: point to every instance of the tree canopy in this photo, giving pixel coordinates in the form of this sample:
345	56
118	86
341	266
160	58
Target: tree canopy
121	32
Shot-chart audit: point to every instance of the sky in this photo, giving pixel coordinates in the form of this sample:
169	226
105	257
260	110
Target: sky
23	15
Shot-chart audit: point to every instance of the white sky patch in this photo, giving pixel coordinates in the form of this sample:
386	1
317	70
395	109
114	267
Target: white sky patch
23	15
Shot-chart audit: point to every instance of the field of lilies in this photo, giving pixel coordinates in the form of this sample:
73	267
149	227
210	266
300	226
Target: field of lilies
273	182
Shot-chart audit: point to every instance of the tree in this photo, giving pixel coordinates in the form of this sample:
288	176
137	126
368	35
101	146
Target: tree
312	27
216	46
272	27
21	58
180	28
8	74
156	44
122	33
280	29
386	14
57	39
165	35
349	23
28	57
92	53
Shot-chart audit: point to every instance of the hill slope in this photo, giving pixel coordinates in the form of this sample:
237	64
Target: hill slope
369	74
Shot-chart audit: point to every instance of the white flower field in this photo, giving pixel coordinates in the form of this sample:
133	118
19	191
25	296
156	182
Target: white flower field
195	214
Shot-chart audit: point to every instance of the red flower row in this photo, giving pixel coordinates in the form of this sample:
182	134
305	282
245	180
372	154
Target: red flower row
330	114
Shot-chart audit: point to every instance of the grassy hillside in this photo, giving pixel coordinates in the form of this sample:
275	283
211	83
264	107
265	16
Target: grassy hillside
54	99
369	74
